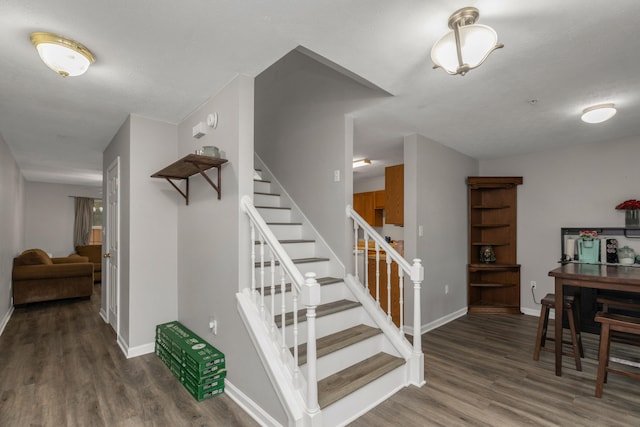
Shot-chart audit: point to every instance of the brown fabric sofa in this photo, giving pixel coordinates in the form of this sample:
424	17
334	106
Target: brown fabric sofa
36	277
94	253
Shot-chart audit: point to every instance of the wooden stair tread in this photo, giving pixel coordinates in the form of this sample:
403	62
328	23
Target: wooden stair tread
322	281
272	207
340	384
321	310
266	194
295	261
282	242
337	341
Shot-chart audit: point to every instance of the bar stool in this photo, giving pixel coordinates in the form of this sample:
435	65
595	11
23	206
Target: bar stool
570	307
613	323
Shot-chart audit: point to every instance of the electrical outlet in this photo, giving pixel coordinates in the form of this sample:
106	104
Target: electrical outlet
533	284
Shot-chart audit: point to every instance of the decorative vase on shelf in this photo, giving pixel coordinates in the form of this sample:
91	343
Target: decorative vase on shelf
632	218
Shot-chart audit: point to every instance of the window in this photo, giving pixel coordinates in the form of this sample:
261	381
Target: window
96	232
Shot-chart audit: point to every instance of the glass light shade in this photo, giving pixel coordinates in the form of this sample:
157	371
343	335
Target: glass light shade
476	43
598	113
65	57
360	163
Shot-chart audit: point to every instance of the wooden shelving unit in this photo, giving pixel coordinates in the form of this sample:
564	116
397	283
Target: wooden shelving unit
493	287
188	166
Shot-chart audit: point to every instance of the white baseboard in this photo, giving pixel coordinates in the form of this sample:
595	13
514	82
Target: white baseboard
249	406
536	313
5	320
438	322
139	350
103	314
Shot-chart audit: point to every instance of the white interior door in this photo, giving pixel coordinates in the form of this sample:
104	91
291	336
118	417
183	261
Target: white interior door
113	237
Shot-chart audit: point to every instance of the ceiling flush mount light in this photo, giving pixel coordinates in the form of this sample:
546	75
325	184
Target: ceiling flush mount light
64	56
360	163
598	113
466	46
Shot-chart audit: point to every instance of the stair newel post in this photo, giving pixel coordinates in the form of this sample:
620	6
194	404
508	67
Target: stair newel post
417	276
311	299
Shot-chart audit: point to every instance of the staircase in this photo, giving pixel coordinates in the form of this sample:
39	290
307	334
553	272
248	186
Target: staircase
358	366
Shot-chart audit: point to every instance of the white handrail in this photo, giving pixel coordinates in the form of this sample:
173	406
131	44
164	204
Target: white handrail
414	271
307	290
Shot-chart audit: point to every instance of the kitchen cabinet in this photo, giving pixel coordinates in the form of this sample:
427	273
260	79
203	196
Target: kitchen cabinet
366	206
379	199
394	194
493	282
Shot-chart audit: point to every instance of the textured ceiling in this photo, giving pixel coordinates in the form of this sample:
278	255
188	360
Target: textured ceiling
162	59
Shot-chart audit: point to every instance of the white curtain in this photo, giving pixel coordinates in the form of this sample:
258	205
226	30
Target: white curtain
83	221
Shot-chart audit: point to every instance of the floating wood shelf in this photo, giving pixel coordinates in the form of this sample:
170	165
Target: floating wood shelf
188	166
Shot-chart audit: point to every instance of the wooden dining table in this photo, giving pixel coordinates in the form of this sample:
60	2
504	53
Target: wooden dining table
581	275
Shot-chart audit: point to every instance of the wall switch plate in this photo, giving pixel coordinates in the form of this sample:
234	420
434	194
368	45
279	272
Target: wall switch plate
420	231
336	175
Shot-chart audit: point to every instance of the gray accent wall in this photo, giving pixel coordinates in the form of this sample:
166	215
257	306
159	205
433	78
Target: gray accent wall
304	133
50	214
148	236
214	242
436	198
570	187
11	225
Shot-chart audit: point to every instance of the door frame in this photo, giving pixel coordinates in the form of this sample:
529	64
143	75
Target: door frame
109	297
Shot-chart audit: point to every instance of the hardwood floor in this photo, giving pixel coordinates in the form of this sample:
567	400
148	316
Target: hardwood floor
480	372
60	366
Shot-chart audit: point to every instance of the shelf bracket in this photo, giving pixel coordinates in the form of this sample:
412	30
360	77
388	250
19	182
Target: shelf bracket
184	194
202	170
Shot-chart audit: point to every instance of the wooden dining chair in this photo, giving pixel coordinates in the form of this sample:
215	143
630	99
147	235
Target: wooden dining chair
570	307
623	314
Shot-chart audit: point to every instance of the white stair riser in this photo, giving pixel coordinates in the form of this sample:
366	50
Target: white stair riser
286	231
328	293
364	399
266	200
339	360
261	186
321	269
275	215
294	250
327	325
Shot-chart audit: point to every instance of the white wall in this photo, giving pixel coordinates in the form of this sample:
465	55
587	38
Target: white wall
436	198
569	187
11	225
213	241
50	215
303	136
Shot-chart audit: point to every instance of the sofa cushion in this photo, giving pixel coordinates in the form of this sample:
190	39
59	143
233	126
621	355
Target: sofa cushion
33	257
93	252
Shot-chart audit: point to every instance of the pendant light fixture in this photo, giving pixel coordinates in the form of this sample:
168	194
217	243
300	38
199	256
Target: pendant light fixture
64	56
466	46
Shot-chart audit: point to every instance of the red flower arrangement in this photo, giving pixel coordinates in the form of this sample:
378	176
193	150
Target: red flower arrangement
629	204
588	234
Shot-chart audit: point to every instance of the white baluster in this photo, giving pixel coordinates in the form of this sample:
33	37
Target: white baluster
262	275
401	284
253	259
417	276
355	245
377	247
388	287
311	299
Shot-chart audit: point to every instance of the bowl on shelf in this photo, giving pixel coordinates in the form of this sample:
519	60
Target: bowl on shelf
626	255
